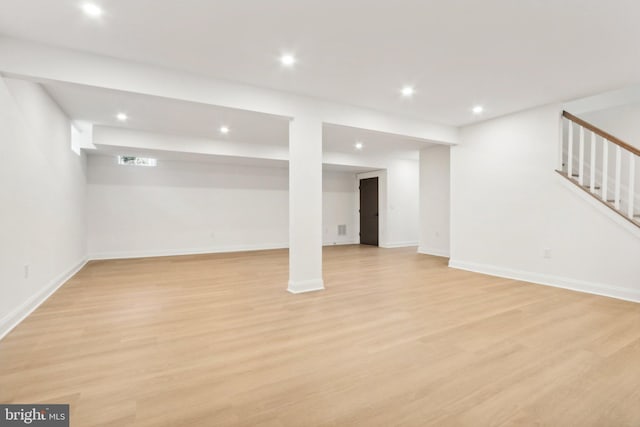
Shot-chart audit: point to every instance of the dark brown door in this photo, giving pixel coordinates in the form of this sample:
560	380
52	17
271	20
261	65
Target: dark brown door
369	211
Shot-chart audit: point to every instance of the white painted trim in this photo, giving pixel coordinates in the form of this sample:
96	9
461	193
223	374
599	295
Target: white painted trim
550	280
345	242
178	252
201	251
425	250
17	315
305	286
399	244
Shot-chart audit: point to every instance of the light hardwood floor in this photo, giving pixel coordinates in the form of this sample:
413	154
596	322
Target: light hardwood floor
397	338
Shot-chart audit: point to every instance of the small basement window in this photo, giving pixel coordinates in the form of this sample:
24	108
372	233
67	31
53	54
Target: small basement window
136	161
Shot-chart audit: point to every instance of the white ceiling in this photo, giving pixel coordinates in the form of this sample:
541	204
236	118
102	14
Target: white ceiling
507	55
169	116
163	115
342	139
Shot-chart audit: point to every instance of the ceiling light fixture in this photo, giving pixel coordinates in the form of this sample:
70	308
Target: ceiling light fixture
92	10
287	60
122	117
477	109
224	129
359	145
407	91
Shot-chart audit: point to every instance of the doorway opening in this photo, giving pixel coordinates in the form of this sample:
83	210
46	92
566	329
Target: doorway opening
369	211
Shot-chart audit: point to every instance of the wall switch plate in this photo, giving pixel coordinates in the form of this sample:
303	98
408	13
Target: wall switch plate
26	271
547	253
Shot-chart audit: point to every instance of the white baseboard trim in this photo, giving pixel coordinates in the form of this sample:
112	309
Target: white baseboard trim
201	251
345	242
426	250
178	252
305	286
17	315
398	245
550	280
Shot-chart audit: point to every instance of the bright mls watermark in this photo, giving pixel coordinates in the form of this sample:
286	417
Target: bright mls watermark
34	415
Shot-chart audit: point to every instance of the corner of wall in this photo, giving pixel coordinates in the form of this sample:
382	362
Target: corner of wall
14	317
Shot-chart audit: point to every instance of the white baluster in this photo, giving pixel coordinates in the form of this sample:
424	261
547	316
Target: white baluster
561	144
570	152
605	167
618	168
592	177
632	181
581	158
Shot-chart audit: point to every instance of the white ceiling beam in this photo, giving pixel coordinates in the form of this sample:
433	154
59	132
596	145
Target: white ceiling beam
124	141
44	63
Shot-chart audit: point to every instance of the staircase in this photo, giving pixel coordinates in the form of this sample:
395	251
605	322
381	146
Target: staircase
602	165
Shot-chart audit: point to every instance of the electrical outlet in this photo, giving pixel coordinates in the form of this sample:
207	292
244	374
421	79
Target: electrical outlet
547	253
26	271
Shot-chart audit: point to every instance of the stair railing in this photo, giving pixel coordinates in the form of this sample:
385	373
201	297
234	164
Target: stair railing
601	164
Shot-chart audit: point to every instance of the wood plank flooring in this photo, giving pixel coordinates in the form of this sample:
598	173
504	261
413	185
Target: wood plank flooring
396	339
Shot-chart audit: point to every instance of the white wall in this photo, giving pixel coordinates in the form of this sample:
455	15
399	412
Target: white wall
508	206
42	199
339	207
190	207
403	198
434	201
622	122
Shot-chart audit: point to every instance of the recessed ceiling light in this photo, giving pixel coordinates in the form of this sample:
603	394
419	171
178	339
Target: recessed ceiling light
122	117
359	145
477	109
224	129
288	60
92	10
407	91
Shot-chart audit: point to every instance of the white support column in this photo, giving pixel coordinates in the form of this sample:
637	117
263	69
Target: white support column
632	182
305	205
605	168
592	170
435	183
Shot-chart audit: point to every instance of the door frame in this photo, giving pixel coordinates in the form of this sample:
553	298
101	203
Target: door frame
382	204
